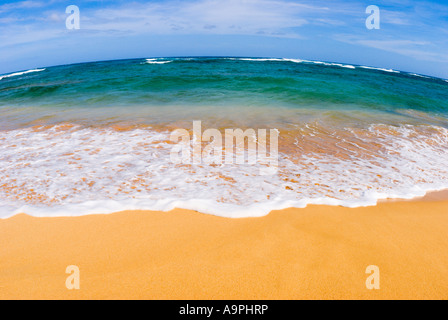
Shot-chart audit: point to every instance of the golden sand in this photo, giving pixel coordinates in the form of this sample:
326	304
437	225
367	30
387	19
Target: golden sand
320	252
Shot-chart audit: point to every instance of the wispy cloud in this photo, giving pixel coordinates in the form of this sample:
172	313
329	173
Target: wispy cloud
274	18
7	7
248	17
420	50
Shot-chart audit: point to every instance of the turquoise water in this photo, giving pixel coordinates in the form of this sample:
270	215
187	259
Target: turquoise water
182	85
96	137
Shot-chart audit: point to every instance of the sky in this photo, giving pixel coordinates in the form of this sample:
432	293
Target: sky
413	35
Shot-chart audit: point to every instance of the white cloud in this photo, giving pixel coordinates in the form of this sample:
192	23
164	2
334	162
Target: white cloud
20	5
417	49
397	18
275	18
247	17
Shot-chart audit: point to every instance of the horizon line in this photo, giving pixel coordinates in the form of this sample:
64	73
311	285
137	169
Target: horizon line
223	57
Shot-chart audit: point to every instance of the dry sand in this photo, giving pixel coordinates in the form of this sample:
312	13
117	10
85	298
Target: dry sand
320	252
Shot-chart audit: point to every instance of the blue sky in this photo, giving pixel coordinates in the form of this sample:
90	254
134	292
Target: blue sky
413	35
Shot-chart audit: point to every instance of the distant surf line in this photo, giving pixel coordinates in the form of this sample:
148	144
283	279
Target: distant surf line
331	64
20	73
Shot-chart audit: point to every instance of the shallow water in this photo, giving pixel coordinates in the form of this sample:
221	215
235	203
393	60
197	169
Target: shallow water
95	137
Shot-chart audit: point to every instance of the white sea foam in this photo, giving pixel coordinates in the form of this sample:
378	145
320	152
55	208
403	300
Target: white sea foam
296	61
325	63
419	75
156	61
78	171
258	59
380	69
20	73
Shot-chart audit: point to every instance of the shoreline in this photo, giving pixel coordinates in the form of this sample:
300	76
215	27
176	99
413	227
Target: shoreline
441	195
319	252
166	206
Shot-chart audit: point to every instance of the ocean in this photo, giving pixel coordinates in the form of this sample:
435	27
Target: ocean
94	138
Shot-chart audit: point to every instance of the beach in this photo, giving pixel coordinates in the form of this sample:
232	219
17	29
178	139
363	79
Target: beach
223	154
320	252
138	173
